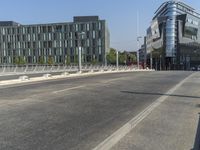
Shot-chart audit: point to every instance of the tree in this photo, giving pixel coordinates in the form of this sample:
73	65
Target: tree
94	61
50	60
133	58
76	59
41	60
122	58
68	61
111	56
20	60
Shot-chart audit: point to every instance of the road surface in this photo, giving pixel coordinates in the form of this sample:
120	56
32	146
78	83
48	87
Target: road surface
76	113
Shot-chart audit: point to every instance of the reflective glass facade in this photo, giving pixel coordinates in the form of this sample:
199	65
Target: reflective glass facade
177	40
56	42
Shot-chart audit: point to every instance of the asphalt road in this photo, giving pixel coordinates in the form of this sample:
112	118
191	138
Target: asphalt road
76	113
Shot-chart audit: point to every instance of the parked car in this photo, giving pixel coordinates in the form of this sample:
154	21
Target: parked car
198	68
193	69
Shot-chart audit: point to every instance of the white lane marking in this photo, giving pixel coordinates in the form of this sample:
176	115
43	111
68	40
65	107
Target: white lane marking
113	139
68	89
115	79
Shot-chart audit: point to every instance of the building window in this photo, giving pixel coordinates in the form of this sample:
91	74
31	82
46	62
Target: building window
50	36
33	29
28	30
71	27
39	37
19	45
100	35
3	31
18	31
94	42
29	37
93	26
38	28
58	28
82	27
99	50
39	44
93	34
34	44
23	30
34	37
54	43
49	44
65	28
88	43
99	42
76	27
65	43
99	25
44	37
88	27
44	29
49	29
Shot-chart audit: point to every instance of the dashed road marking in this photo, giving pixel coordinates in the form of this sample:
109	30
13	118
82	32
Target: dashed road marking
68	89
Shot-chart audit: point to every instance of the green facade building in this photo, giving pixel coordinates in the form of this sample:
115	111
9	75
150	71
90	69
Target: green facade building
54	43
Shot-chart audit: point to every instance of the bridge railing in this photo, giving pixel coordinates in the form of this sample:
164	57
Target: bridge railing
31	69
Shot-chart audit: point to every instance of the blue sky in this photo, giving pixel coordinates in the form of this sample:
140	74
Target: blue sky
120	15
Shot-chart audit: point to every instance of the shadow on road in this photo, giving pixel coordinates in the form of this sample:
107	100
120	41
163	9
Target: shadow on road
160	94
197	139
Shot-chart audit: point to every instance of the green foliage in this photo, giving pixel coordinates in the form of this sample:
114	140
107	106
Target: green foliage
76	59
111	56
68	61
50	60
132	58
125	58
94	62
41	60
122	58
20	60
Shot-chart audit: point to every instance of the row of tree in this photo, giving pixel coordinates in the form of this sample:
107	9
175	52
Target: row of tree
50	60
125	58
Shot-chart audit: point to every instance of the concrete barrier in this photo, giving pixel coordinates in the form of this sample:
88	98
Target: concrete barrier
65	74
47	75
23	78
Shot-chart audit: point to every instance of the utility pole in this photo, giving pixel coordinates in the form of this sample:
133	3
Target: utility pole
138	53
117	60
80	35
160	62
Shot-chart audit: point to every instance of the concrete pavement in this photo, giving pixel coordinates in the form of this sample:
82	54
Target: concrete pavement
173	125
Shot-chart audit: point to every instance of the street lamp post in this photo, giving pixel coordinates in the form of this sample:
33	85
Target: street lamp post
117	60
138	54
160	62
80	51
151	57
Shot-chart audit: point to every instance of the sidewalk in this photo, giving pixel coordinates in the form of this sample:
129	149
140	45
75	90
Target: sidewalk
174	125
48	76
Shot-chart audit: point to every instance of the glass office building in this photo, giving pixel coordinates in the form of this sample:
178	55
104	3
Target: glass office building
173	39
55	42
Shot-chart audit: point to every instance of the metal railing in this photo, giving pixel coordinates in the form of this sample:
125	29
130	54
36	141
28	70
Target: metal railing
34	69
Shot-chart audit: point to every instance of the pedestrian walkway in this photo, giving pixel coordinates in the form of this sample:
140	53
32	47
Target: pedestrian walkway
174	125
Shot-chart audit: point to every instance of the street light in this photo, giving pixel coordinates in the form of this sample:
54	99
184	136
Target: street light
80	51
117	60
138	55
